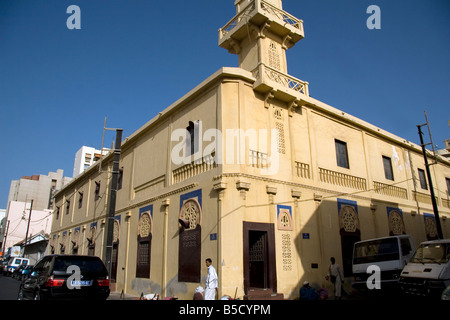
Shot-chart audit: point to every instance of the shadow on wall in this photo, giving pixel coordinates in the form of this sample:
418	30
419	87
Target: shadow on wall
333	228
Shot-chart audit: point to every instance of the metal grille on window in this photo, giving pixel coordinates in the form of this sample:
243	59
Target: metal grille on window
257	251
349	219
144	256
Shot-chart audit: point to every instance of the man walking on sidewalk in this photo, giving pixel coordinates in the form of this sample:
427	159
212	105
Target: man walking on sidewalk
336	277
212	281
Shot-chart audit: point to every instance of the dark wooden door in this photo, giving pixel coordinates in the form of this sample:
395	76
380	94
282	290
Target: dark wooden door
259	257
258	260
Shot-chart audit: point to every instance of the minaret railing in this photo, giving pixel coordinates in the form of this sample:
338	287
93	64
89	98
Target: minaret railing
280	14
264	72
265	8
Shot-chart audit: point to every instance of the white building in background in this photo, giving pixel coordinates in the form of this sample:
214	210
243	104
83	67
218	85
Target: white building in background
2	227
445	152
2	216
18	214
85	157
40	188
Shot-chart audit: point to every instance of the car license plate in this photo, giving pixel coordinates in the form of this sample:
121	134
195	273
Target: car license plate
81	283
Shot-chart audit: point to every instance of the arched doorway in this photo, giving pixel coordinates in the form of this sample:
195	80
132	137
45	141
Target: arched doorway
349	229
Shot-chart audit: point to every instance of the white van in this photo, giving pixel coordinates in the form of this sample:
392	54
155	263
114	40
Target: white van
15	262
428	272
389	254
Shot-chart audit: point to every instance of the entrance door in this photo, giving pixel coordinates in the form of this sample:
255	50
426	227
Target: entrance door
258	261
347	242
259	257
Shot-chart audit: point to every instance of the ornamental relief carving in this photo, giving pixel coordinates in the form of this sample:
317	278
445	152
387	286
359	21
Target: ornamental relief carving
396	224
430	228
274	56
285	220
116	231
348	219
191	213
92	233
75	238
145	225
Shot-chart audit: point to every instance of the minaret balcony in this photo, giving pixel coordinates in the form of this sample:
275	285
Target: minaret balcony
281	85
261	13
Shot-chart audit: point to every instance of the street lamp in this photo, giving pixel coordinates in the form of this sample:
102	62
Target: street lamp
430	182
109	231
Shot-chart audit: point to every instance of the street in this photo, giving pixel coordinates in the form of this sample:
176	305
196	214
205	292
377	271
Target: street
9	288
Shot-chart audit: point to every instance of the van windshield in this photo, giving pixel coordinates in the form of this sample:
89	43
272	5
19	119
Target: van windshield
376	251
432	253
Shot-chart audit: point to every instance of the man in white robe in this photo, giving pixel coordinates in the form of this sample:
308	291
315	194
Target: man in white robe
212	281
337	278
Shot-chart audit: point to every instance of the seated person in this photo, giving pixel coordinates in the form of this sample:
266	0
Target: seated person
307	292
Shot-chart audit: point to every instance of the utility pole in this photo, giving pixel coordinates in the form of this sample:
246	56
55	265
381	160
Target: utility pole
5	236
28	227
109	231
430	182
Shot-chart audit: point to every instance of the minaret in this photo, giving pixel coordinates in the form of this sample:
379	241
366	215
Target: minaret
260	33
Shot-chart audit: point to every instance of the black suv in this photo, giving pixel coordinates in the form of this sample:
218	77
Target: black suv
66	277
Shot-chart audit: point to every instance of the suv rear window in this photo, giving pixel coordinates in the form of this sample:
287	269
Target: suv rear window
86	264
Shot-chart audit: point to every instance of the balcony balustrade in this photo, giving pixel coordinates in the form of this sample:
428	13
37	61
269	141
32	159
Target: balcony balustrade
258	12
390	190
284	86
342	179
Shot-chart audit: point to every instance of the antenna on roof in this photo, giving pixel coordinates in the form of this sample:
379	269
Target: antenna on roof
103	137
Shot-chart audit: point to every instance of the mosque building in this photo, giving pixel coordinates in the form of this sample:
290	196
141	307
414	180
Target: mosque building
249	170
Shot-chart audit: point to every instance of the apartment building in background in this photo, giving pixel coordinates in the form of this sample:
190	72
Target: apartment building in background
85	157
40	189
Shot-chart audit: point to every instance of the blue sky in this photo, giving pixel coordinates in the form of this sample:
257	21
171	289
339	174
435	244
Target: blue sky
133	58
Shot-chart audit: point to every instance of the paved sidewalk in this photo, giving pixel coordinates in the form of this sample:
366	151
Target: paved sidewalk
118	296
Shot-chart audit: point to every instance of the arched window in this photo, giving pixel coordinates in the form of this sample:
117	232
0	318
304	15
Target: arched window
189	254
91	239
144	244
115	248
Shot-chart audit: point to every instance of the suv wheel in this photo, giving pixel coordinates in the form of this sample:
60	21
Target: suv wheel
20	294
37	295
